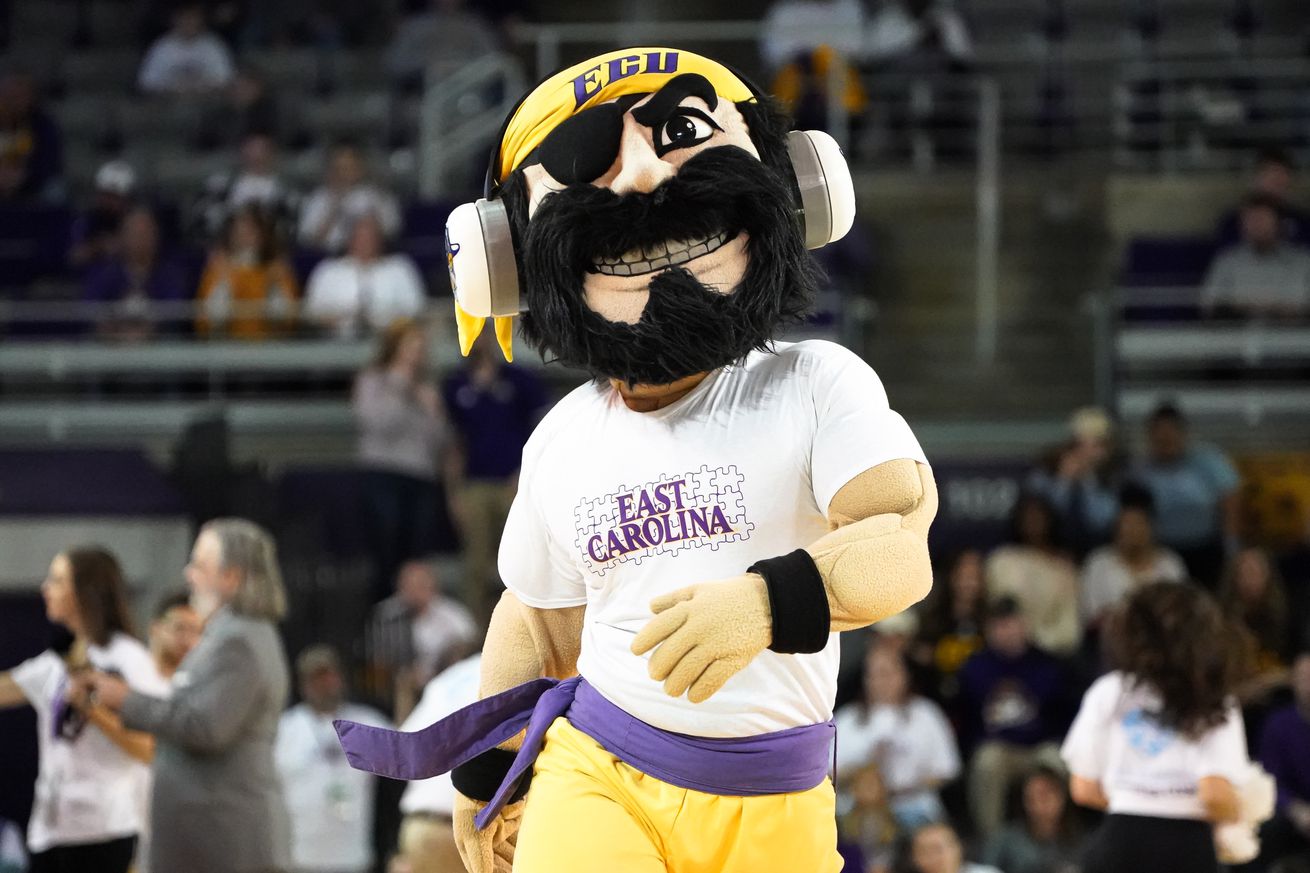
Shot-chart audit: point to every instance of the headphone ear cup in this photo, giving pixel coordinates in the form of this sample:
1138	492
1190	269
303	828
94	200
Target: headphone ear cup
824	180
484	272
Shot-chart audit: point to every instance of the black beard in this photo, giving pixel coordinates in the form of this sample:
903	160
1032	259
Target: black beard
686	326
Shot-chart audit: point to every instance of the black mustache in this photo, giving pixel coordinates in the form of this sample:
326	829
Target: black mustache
723	189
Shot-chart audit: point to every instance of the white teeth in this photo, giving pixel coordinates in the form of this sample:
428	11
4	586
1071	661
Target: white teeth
657	257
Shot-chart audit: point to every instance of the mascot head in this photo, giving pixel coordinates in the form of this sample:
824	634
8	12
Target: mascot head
647	214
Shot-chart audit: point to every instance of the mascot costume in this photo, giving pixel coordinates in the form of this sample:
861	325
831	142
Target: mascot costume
693	527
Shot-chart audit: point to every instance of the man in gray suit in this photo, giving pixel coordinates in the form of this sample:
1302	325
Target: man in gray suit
217	805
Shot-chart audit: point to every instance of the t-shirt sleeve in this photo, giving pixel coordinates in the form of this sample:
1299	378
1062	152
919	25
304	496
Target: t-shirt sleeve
855	426
532	562
1220	470
1084	749
139	670
1222	750
35	678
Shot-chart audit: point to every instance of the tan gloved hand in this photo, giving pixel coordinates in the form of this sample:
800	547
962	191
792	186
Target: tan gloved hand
704	634
490	850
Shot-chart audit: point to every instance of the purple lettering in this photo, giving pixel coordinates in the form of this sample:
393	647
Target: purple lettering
592	545
615	544
586	85
625	508
659	533
718	523
644	505
676	485
633	534
697	518
662	497
622	68
654	63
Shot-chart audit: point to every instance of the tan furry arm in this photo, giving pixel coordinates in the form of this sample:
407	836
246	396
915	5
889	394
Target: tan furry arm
525	643
875	561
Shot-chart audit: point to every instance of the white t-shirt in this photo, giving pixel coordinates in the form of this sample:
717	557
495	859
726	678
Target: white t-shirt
1143	767
441	627
177	64
1108	580
911	744
455	688
343	210
617	507
87	789
381	292
330	802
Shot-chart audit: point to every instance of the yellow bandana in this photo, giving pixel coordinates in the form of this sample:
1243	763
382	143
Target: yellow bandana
582	86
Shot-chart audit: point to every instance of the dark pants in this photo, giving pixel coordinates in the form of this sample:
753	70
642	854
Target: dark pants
400	514
114	856
1141	844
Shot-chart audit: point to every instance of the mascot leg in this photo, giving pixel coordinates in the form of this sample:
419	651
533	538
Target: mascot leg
588	812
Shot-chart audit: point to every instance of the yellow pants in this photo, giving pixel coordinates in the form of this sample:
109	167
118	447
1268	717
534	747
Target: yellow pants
588	812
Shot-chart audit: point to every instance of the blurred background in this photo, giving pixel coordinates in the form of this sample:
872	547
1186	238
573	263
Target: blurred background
1078	264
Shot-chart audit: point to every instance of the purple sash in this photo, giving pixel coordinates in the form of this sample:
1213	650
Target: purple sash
775	763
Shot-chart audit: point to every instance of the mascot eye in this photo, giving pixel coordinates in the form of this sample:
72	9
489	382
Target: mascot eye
687	127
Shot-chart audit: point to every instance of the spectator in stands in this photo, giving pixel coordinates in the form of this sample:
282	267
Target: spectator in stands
88	765
174	632
904	735
31	144
95	232
793	28
935	848
136	278
249	107
1252	593
1285	754
802	86
951	623
493	408
215	733
1081	481
1134	559
1159	743
1045	837
1014	699
346	195
330	802
1194	487
917	33
1035	570
189	59
1274	176
248	289
437	42
866	831
402	434
1266	275
365	290
418	631
256	181
427	838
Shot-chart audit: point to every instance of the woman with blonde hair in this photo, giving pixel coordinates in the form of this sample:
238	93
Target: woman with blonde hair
90	767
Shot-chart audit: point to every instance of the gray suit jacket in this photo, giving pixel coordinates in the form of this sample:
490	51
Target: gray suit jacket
217	805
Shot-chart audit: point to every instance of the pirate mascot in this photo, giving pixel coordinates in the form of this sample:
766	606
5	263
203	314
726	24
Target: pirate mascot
693	527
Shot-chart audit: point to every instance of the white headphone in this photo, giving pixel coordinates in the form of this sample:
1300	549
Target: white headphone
480	249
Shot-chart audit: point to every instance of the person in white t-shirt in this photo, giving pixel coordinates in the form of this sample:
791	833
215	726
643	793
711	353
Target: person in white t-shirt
346	195
1113	572
90	767
427	839
1159	743
330	803
189	59
366	289
907	737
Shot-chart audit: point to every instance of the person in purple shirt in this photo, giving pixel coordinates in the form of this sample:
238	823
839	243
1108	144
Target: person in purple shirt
1014	710
493	407
1285	754
123	288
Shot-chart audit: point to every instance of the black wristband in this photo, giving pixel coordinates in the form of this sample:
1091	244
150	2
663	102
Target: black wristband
479	778
798	602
